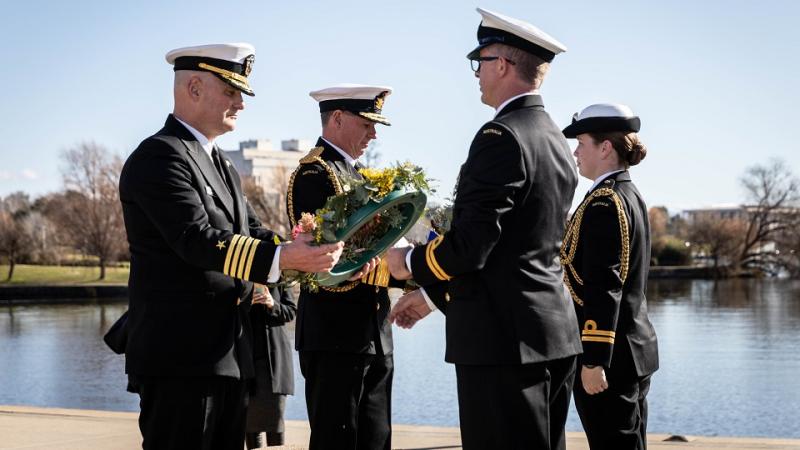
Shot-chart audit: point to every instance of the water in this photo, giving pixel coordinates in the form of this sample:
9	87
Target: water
729	361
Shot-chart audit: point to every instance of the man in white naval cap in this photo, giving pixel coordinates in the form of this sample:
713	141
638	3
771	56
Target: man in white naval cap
343	334
510	323
196	250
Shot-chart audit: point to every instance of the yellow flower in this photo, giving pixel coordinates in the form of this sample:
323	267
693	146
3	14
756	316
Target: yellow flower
381	179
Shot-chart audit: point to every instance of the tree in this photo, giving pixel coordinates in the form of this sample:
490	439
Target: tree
15	236
89	211
270	207
789	247
719	239
658	218
773	192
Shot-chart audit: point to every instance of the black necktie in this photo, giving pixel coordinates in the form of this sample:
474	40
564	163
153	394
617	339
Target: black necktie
218	164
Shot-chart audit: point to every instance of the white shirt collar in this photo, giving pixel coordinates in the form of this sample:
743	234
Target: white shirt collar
346	156
505	103
603	177
201	139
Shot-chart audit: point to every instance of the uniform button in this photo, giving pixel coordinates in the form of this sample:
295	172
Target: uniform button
447	297
377	306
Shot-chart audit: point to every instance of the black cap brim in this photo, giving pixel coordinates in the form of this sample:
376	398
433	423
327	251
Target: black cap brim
602	125
488	36
474	54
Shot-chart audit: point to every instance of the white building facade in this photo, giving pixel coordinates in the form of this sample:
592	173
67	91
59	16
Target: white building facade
269	168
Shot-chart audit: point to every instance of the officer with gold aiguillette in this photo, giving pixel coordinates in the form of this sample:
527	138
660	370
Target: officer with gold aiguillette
606	255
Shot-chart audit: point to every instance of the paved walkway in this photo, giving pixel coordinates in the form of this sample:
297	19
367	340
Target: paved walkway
31	428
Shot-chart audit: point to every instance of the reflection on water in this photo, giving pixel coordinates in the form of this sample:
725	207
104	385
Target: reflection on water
728	361
729	358
54	356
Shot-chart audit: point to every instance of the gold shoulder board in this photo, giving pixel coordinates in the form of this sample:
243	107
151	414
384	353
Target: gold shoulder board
312	155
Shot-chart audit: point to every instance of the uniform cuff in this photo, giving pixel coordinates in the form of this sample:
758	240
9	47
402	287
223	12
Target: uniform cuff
431	305
275	270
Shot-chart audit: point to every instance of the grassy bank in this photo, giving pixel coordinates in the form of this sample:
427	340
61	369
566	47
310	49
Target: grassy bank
25	274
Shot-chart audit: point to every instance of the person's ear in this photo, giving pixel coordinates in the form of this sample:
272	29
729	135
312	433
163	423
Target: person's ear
195	86
606	149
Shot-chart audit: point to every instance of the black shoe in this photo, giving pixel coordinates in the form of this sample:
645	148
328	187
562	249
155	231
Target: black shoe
274	439
254	440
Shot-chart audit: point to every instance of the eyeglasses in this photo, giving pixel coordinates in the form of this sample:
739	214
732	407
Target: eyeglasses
475	63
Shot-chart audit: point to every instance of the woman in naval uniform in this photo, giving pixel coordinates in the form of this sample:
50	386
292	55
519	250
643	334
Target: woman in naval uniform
606	253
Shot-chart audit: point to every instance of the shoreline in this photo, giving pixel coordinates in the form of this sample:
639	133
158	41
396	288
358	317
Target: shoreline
37	428
20	294
55	294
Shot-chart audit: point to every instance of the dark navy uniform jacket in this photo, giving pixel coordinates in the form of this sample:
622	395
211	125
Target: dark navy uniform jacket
499	261
606	254
195	246
352	317
271	339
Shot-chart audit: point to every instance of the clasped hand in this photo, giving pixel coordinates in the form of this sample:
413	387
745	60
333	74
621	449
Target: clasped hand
410	309
396	258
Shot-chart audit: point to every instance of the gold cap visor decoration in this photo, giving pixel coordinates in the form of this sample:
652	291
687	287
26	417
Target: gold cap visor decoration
375	118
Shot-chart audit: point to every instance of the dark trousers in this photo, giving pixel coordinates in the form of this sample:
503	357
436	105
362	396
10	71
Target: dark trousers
615	419
515	407
349	400
198	413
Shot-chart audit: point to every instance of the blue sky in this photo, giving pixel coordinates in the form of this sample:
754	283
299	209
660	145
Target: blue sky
713	81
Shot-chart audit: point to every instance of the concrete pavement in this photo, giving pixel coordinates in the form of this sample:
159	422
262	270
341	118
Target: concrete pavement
33	428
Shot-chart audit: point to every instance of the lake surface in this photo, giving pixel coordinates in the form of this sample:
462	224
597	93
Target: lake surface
730	364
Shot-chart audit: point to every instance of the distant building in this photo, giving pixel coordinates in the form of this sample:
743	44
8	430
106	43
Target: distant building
738	212
269	168
748	215
717	212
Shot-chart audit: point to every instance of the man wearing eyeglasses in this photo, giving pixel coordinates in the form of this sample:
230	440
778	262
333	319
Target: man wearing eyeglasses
509	317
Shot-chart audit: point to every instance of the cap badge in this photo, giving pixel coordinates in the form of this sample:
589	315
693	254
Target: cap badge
379	102
248	64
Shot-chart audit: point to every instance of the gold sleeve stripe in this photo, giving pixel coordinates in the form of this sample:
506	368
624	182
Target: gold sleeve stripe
250	258
378	276
246	246
432	263
369	278
382	273
231	245
430	258
235	259
599	333
605	340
